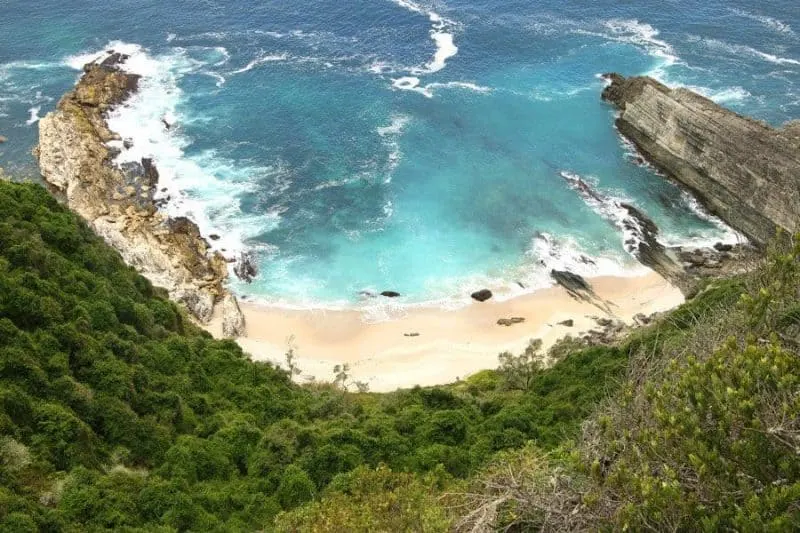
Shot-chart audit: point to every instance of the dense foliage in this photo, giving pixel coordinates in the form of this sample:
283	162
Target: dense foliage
117	413
703	436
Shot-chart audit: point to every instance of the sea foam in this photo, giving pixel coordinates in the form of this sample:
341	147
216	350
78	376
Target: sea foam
441	34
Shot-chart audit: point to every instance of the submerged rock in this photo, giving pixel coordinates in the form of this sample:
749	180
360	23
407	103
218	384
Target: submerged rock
482	295
390	294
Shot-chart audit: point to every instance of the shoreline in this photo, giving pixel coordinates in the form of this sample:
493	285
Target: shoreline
449	344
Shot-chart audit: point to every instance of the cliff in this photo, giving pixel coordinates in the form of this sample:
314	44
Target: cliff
118	202
742	170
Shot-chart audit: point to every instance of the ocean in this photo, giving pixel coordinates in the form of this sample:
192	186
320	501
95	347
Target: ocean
421	147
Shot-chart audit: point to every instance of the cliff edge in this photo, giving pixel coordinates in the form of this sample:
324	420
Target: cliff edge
118	201
742	170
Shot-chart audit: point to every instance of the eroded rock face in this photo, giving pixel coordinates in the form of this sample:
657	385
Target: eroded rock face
118	202
742	170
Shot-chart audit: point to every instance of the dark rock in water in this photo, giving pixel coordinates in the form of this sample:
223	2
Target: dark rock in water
245	268
366	294
127	144
510	321
482	295
522	285
587	260
390	294
720	247
150	172
114	60
163	189
165	123
214	237
568	323
571	282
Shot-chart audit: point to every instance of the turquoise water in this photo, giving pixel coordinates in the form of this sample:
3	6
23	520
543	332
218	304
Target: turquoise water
397	145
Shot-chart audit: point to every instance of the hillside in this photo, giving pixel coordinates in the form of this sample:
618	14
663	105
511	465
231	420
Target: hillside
117	413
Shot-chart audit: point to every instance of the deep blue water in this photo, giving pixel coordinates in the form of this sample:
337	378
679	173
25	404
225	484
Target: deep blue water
411	146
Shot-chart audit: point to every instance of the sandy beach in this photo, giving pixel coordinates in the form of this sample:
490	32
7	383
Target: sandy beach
429	346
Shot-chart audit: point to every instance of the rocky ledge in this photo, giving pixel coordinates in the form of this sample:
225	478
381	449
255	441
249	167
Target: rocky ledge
744	171
118	202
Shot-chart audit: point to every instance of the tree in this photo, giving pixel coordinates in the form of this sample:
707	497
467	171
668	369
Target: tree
518	372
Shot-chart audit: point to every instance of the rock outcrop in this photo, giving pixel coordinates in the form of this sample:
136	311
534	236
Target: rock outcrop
118	202
742	170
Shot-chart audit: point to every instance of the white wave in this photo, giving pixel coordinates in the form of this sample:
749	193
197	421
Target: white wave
564	253
610	208
203	187
441	34
445	49
412	83
740	49
770	22
395	127
722	96
639	34
391	134
381	67
268	58
217	76
721	232
34	115
171	37
224	55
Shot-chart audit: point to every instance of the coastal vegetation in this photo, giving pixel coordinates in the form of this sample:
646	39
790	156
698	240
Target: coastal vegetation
118	413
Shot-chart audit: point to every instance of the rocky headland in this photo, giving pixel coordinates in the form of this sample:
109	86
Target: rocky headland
744	171
119	202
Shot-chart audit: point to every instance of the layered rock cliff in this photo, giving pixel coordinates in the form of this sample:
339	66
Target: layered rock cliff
742	170
118	202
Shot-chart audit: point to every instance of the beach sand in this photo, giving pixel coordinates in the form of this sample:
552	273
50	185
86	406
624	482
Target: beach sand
450	345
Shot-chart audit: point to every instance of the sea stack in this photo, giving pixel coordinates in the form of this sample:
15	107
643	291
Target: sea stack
742	170
118	202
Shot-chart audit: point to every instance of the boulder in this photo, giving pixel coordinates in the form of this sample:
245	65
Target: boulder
390	294
510	321
3	139
482	295
568	323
